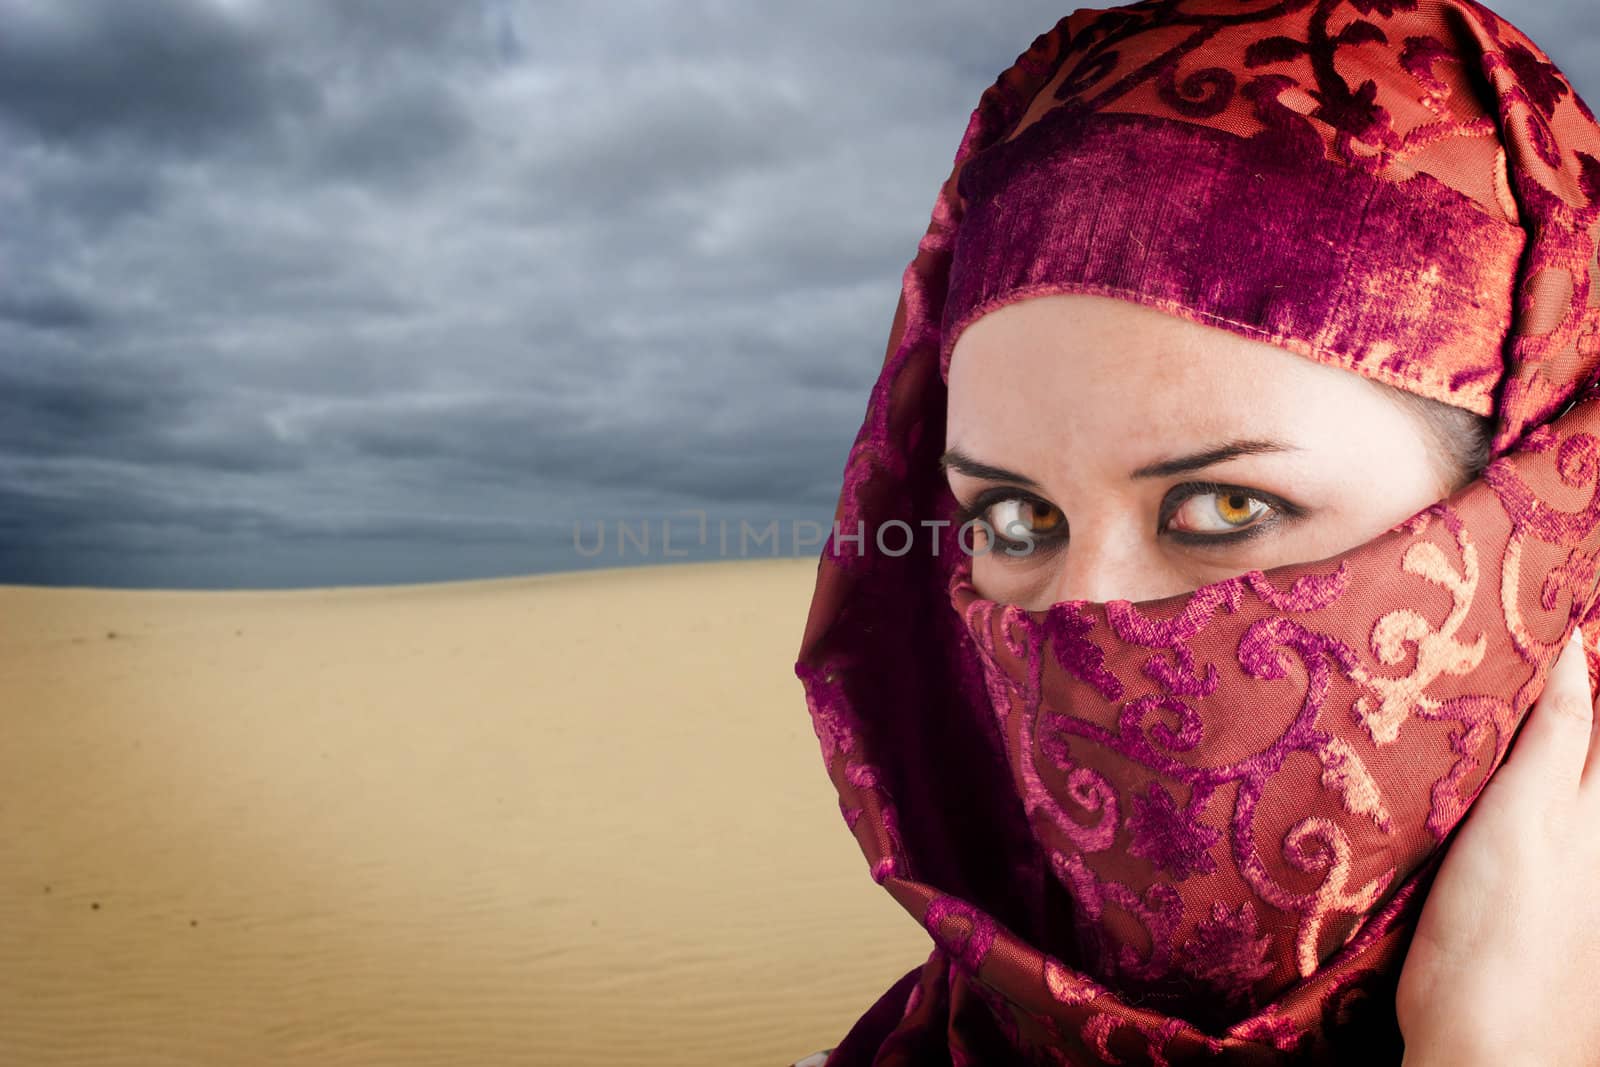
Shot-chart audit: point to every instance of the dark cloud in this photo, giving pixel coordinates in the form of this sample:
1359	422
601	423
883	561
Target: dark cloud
300	292
172	74
406	130
46	310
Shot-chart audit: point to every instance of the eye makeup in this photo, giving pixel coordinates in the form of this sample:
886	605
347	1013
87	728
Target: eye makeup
1273	511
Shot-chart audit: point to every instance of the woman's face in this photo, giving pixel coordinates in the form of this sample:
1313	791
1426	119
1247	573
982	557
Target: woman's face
1145	455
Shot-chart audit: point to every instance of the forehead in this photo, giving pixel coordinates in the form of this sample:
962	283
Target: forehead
1080	364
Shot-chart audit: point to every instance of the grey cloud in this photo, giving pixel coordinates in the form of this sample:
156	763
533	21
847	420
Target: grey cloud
402	132
46	310
64	198
137	418
600	145
172	74
302	292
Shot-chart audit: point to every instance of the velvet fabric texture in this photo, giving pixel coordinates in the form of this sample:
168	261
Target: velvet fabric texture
1200	829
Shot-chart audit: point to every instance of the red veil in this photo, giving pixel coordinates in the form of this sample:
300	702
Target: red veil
1200	829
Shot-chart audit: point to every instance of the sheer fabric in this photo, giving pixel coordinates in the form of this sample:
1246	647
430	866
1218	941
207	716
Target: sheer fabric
1200	829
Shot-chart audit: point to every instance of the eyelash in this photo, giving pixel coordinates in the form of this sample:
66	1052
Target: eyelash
1282	509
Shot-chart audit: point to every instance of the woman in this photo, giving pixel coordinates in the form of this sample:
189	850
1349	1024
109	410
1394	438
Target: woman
1227	500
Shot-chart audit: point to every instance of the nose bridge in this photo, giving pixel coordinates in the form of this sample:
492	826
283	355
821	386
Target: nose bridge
1102	565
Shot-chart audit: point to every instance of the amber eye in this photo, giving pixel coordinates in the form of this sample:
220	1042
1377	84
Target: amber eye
1235	510
1219	512
1017	517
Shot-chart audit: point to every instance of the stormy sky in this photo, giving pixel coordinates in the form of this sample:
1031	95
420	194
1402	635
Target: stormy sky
337	292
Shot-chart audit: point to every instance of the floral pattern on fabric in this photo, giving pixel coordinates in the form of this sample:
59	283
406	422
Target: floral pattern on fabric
1199	830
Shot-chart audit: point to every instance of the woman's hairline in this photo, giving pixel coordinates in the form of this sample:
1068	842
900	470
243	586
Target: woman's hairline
1461	438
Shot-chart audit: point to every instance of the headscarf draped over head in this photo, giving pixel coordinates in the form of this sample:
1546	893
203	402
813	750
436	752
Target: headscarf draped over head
1406	189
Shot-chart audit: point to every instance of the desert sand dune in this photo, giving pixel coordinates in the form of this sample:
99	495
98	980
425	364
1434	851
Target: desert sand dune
569	819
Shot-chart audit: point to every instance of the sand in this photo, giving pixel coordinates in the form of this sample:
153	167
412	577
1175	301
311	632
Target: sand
567	819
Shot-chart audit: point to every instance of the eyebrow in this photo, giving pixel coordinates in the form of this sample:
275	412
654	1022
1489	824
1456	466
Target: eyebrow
955	459
1212	456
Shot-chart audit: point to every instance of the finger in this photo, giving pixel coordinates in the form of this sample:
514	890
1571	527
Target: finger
1553	744
1591	766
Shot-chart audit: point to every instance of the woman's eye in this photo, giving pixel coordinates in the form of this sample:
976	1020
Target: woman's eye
1018	517
1219	512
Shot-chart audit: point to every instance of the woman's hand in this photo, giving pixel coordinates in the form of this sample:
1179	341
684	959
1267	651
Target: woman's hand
1505	964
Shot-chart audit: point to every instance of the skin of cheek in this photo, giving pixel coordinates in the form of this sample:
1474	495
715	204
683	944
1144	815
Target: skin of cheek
1127	386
